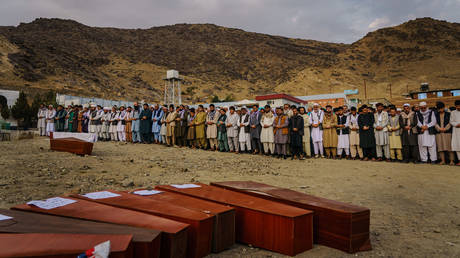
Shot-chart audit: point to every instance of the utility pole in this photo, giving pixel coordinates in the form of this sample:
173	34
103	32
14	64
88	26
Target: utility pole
391	95
389	79
365	90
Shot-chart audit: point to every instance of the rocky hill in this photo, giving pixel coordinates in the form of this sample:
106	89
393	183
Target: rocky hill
130	63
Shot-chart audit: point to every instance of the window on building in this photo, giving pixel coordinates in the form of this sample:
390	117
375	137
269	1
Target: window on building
422	96
455	93
439	94
270	102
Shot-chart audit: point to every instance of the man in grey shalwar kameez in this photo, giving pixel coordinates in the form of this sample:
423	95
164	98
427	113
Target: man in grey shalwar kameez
254	129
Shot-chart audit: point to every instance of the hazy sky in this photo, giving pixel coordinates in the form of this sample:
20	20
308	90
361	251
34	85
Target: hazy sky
327	20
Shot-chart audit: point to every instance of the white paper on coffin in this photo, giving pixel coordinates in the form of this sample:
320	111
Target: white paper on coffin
101	195
147	192
52	203
87	137
3	217
185	186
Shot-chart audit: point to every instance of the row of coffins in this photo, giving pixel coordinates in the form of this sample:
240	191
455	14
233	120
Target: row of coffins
193	220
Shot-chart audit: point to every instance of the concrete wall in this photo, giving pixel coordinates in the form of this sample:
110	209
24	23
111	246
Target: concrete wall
276	102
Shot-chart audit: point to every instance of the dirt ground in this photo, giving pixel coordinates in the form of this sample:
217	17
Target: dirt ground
415	209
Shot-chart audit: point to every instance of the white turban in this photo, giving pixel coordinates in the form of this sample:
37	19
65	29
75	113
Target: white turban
406	105
422	104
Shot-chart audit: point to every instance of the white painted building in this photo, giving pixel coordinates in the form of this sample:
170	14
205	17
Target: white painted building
277	100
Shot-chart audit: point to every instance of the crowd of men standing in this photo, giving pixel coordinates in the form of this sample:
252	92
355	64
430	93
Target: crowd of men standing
413	134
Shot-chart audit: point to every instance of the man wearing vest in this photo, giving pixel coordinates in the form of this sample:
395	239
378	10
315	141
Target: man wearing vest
244	137
426	121
343	130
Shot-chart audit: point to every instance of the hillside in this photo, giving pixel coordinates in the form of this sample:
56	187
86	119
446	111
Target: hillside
130	63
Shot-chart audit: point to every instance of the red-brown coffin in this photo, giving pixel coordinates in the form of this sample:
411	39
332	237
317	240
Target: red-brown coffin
71	145
274	226
174	237
201	224
224	223
61	245
336	224
146	242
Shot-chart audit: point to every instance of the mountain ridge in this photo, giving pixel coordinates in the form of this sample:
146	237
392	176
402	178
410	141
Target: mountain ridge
74	58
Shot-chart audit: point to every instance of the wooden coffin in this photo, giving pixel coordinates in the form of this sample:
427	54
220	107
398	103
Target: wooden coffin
336	224
270	225
173	239
61	245
201	224
146	242
224	222
71	145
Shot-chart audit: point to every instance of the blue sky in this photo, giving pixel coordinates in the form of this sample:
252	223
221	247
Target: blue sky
328	20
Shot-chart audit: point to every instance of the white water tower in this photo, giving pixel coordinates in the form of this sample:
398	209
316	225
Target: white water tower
172	88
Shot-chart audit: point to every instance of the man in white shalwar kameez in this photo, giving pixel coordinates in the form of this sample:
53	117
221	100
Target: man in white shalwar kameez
316	118
121	116
343	130
455	122
267	137
100	113
41	122
113	124
105	119
50	114
426	119
244	137
95	120
381	133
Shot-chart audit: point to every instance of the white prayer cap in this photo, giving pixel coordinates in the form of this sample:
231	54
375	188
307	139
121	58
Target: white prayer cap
152	105
315	104
398	109
406	105
422	104
226	107
93	105
50	105
106	108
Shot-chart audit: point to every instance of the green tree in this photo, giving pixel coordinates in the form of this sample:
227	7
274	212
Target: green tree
4	110
229	98
34	107
21	110
50	98
215	99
